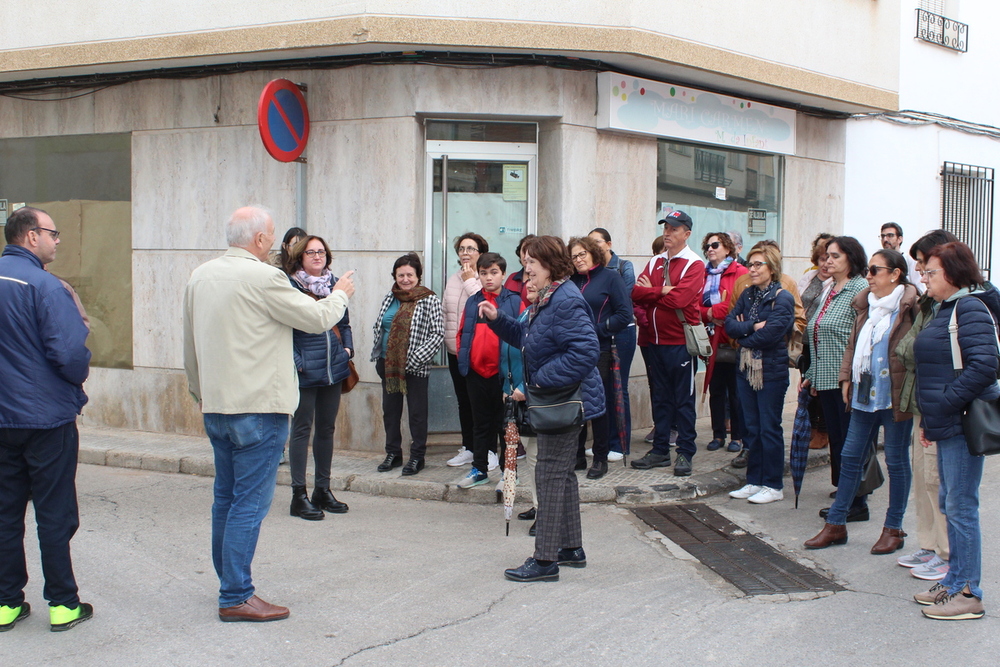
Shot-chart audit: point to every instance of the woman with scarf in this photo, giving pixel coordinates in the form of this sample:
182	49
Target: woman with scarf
760	323
871	377
721	272
408	332
560	348
811	286
321	360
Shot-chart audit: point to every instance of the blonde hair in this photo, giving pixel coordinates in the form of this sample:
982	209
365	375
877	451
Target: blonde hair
772	257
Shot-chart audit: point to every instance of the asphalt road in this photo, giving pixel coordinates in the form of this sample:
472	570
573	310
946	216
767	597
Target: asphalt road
409	582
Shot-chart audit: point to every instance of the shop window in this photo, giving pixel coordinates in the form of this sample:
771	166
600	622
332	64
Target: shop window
721	189
967	207
84	182
513	133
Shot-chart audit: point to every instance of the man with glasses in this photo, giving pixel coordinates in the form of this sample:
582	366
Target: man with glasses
239	313
891	237
43	362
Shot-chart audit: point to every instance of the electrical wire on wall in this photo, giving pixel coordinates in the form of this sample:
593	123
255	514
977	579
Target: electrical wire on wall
919	118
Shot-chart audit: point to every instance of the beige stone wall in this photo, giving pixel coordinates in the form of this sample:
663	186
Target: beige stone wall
365	195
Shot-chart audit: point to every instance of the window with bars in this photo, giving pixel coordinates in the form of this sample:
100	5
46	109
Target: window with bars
967	207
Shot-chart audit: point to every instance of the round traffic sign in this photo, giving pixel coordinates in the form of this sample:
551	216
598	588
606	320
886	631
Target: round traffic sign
283	120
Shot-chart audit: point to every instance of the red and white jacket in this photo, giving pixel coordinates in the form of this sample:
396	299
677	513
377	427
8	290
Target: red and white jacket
687	275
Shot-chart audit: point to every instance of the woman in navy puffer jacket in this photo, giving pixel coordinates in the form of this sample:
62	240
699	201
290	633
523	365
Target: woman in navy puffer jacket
953	279
760	323
321	360
560	348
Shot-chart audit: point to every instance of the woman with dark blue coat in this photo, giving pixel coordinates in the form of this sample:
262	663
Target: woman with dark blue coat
611	311
953	280
760	323
321	360
560	348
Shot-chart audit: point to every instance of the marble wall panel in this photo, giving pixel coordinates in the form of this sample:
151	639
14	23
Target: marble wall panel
158	104
34	118
814	203
186	183
144	399
366	183
568	182
626	190
820	138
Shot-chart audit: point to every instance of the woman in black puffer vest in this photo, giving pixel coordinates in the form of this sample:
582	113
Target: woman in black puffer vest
321	360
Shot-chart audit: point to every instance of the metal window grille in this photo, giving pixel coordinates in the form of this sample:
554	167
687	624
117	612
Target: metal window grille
933	6
942	31
710	167
967	207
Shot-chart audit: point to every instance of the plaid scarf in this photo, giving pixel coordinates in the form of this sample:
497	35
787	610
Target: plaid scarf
713	281
751	361
544	295
399	337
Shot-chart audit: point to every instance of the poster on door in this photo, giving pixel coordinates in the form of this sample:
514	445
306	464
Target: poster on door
515	182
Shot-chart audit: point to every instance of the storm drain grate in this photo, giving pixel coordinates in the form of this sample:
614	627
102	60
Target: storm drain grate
731	552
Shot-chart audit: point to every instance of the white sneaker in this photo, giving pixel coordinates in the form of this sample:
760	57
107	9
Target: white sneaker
464	457
917	558
589	452
933	570
615	456
766	495
745	492
494	462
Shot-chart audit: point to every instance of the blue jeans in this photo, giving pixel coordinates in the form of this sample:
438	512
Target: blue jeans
763	437
247	451
625	342
958	498
852	460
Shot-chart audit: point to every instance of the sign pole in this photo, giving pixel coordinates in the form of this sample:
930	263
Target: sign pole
300	194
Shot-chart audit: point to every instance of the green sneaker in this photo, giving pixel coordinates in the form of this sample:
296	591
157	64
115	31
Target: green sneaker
63	618
11	615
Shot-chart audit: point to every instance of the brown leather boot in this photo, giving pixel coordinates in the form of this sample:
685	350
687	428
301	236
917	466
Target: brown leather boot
830	535
819	440
890	541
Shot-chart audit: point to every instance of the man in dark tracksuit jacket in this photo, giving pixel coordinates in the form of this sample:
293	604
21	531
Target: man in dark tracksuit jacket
43	363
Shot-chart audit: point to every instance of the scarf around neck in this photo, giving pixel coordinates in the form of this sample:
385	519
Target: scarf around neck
399	337
752	360
713	281
319	285
544	295
879	317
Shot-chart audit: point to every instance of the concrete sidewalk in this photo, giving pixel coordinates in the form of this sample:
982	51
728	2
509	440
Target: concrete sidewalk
355	471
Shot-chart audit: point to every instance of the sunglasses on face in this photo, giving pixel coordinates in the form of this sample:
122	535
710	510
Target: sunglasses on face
711	246
873	269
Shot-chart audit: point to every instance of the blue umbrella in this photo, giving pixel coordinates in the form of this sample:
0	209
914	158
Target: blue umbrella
798	454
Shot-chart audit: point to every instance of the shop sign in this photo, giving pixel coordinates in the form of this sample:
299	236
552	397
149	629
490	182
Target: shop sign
283	120
757	221
515	182
641	106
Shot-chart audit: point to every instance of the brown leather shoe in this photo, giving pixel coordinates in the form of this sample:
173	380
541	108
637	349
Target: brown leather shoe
819	440
255	610
890	541
830	535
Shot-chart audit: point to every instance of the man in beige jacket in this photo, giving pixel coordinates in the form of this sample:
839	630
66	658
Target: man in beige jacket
239	313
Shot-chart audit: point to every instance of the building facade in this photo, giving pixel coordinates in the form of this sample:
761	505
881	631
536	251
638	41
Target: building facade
138	132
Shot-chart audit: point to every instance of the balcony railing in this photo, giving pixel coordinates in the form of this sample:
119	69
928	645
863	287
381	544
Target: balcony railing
943	31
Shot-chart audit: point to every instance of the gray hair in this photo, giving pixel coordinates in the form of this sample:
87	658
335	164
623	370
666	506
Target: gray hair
244	224
737	238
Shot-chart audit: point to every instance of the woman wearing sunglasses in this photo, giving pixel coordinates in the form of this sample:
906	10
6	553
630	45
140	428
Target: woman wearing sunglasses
871	377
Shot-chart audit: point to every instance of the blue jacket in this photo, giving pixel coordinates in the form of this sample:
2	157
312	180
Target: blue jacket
610	304
507	301
779	313
941	395
559	346
43	355
321	359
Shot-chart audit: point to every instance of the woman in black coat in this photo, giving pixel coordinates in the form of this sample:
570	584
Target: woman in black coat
760	323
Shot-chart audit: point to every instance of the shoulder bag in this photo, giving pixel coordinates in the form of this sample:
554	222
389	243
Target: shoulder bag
695	335
352	376
981	418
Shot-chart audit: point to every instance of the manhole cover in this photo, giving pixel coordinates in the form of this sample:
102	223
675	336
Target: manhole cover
731	552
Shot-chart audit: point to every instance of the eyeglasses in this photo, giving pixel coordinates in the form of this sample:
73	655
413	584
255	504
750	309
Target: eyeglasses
315	253
711	246
873	269
579	255
890	236
756	265
54	233
929	274
468	248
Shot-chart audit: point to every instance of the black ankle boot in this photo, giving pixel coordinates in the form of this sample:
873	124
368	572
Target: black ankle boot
323	499
301	507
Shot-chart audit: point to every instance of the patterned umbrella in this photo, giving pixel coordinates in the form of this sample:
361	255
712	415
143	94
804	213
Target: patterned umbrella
511	438
624	436
798	454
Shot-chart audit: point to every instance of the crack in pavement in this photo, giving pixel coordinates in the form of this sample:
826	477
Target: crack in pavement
423	631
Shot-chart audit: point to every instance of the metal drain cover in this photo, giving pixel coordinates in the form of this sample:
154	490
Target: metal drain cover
743	560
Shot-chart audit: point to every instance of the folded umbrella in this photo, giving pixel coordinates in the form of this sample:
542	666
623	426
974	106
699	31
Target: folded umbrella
621	419
511	438
798	454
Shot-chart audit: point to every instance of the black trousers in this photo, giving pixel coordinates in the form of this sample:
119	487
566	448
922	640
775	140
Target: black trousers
486	401
722	390
319	404
416	411
464	407
44	462
604	424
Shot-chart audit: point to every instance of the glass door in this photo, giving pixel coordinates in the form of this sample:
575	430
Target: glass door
482	187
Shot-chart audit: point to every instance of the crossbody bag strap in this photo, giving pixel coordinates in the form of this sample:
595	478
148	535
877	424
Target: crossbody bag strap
956	352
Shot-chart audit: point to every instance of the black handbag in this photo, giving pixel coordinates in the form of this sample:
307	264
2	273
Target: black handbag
981	418
554	410
873	476
517	412
726	354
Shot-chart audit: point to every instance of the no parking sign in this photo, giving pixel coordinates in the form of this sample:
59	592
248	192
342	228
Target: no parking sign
283	120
